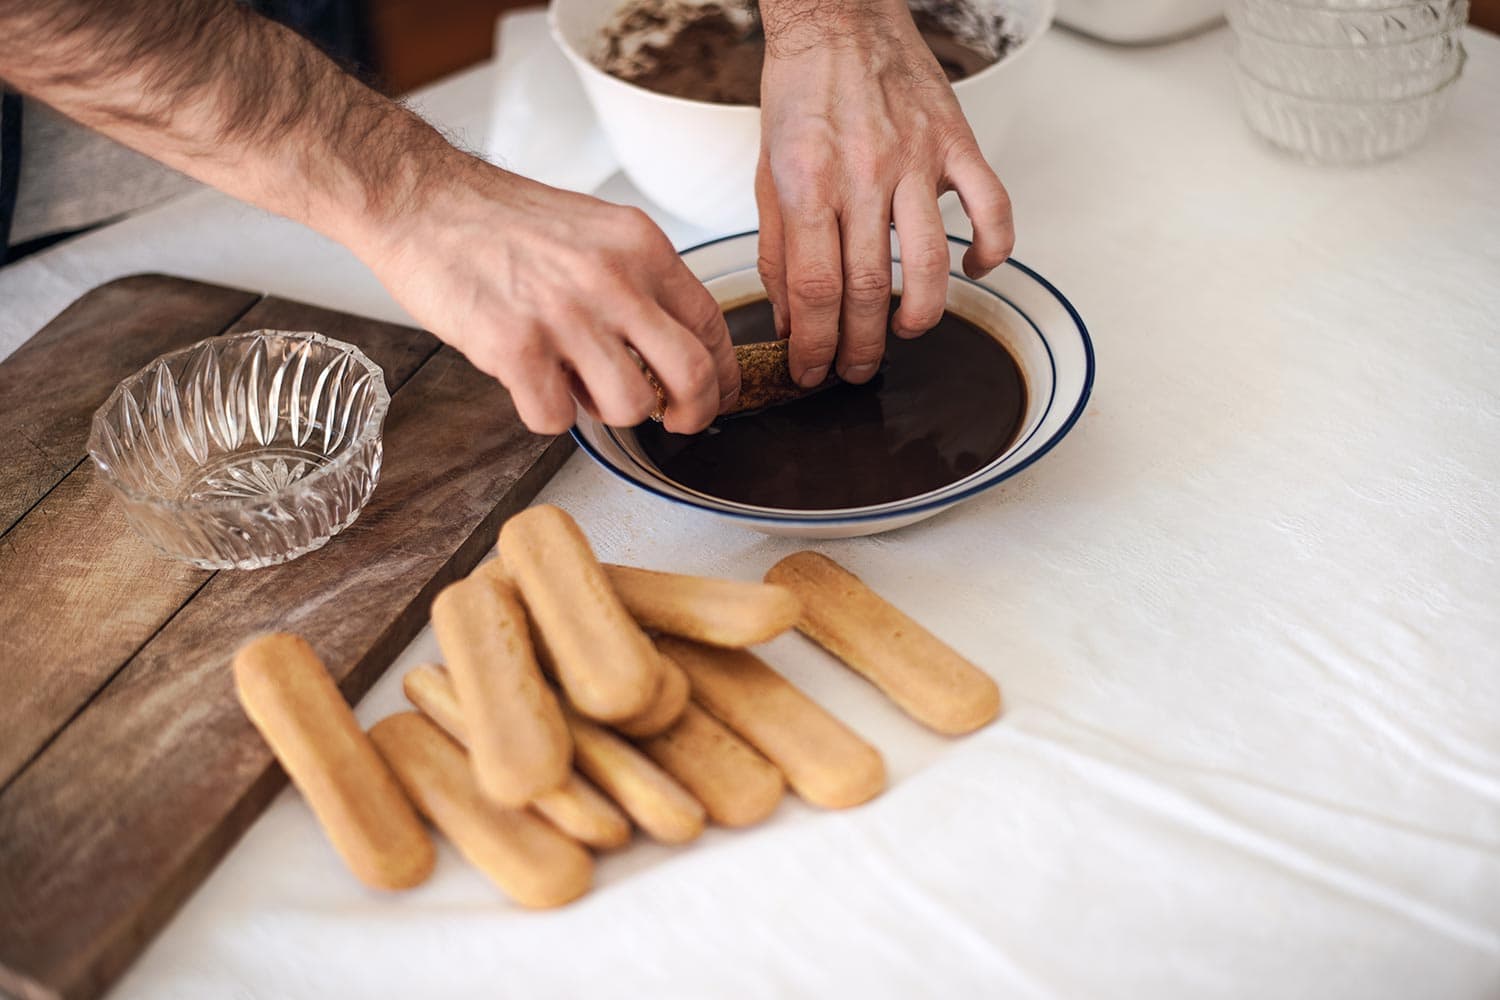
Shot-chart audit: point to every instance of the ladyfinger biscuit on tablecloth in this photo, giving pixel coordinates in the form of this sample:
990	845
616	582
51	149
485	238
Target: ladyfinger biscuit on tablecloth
915	669
824	761
517	737
292	700
529	859
671	699
734	782
577	808
606	665
704	609
654	799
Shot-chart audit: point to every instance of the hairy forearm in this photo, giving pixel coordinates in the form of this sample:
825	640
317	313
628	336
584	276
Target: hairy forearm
230	98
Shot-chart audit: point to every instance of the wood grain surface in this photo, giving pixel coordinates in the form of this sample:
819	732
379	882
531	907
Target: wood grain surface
110	821
49	386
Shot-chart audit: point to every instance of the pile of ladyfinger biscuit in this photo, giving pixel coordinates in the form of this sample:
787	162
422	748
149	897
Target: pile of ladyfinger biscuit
580	699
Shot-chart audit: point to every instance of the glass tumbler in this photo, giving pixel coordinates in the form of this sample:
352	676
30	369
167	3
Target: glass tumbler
1346	81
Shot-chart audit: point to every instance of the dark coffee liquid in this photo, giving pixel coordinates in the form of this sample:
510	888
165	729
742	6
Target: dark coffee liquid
944	405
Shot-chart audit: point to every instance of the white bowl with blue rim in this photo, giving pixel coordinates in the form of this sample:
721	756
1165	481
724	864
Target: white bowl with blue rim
1020	308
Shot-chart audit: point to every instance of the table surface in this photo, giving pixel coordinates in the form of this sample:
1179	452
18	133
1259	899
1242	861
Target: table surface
1245	617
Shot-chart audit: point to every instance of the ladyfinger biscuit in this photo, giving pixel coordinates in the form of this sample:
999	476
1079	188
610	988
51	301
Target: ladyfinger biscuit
493	569
915	669
290	698
582	812
604	661
824	761
577	808
527	858
431	689
671	699
666	705
718	612
518	740
657	803
765	380
734	782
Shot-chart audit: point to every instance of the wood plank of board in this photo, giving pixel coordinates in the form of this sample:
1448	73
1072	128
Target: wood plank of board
83	591
164	751
50	387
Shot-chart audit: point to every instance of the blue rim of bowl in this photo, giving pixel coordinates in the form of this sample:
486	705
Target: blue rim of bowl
836	514
930	505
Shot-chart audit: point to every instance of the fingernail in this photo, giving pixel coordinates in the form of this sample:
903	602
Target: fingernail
776	322
813	376
726	403
858	373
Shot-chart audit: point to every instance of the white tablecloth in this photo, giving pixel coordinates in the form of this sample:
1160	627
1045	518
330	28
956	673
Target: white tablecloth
1245	617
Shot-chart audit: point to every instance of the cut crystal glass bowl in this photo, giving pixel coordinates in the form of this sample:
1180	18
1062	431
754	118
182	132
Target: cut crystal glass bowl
245	450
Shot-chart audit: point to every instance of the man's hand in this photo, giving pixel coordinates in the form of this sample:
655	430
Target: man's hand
550	292
861	129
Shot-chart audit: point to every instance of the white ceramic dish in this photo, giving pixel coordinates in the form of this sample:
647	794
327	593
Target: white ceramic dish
697	160
1039	327
1139	22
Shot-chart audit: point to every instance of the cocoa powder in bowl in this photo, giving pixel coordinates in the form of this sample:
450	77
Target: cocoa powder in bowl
713	52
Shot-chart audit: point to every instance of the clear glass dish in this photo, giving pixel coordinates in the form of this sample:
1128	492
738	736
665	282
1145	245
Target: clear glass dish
1367	73
1338	132
246	450
1345	25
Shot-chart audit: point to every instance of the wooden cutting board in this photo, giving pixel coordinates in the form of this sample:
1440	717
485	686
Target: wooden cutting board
127	769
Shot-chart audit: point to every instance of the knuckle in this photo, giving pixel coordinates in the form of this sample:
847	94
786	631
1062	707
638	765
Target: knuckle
770	269
524	350
545	416
864	168
817	290
803	180
925	257
925	314
698	371
703	316
994	252
868	287
634	222
630	411
956	140
861	352
998	200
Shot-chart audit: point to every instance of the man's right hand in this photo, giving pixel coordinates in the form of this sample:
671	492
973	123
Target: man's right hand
554	294
550	291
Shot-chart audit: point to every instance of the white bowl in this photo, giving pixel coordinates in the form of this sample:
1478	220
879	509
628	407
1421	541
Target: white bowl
1139	22
697	160
1039	327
